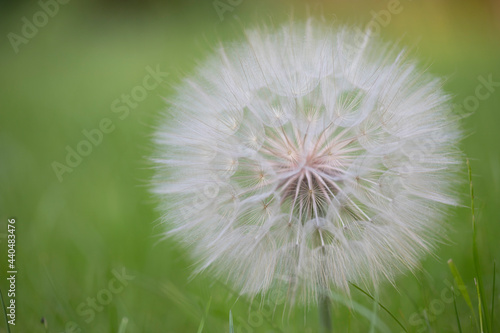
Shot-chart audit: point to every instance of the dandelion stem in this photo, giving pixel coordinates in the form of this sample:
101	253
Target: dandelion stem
325	317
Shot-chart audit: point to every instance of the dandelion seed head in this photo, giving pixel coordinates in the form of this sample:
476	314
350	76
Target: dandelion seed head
304	159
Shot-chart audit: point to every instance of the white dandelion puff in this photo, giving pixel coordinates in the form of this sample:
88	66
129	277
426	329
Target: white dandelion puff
289	164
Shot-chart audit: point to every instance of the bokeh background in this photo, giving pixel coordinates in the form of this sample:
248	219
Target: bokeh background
77	232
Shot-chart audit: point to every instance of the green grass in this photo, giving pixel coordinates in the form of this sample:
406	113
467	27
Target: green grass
485	322
463	289
71	235
231	324
382	306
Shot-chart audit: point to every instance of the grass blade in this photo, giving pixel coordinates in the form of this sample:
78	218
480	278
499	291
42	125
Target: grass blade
475	253
231	326
382	306
123	325
460	283
360	309
456	310
426	317
202	323
373	320
463	289
480	310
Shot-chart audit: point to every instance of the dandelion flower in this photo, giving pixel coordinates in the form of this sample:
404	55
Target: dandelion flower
306	158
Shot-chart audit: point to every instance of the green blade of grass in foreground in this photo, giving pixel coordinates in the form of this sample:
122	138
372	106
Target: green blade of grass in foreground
456	310
475	256
231	327
360	309
381	305
462	288
202	323
480	310
373	320
123	325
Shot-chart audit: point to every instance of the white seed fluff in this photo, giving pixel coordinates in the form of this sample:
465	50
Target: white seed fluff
306	158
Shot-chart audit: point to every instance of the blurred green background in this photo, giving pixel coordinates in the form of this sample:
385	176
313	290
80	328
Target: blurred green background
75	234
